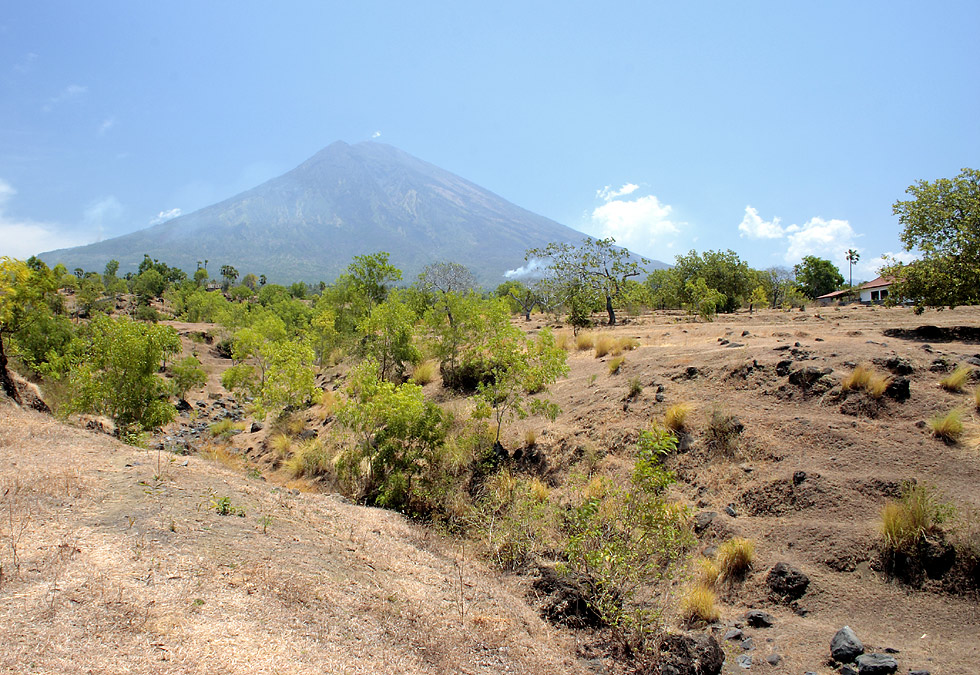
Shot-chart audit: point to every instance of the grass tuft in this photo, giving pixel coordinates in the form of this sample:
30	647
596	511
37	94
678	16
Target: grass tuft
584	341
707	573
676	416
917	514
635	388
530	438
282	445
564	341
877	385
949	427
425	372
615	364
955	381
735	557
699	606
604	344
976	397
858	379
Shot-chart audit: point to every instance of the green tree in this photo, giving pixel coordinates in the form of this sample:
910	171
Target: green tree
389	339
372	276
201	276
185	375
942	222
597	268
817	276
116	373
704	301
722	271
229	274
396	434
758	298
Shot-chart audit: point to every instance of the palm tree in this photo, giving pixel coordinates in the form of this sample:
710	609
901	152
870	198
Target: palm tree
852	257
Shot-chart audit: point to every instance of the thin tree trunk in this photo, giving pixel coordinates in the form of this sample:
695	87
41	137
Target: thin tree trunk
5	380
609	310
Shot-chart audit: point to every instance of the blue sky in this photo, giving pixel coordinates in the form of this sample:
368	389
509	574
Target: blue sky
777	129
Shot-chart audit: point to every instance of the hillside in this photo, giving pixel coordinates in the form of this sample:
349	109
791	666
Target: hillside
137	549
344	201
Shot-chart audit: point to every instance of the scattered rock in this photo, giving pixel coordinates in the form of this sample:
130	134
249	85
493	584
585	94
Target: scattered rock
744	660
876	664
899	389
773	659
756	618
734	634
697	654
567	601
897	365
848	670
730	510
787	582
734	344
845	646
306	434
799	477
747	644
255	428
812	380
703	520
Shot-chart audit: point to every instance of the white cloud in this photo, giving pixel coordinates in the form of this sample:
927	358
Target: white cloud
641	224
868	269
164	216
532	267
754	227
24	238
70	92
822	238
376	134
608	194
107	124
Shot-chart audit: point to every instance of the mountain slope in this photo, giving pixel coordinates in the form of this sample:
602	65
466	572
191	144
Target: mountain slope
344	201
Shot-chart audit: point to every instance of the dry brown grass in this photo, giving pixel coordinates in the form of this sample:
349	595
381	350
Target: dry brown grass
956	380
611	344
676	417
735	557
564	341
425	372
699	606
976	397
707	573
615	364
867	379
584	341
947	428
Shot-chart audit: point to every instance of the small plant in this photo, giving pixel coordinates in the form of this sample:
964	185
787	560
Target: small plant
584	341
949	427
604	344
735	557
676	416
635	388
699	606
955	381
877	385
223	506
530	438
224	428
592	379
615	364
265	521
425	372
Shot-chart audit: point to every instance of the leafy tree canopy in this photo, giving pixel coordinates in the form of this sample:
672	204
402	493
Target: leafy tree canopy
817	276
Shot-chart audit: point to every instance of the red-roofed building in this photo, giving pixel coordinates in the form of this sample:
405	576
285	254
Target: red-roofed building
872	292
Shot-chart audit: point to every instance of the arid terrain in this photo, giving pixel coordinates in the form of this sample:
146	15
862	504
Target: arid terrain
117	559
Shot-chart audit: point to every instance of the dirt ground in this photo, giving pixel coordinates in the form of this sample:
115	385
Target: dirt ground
125	564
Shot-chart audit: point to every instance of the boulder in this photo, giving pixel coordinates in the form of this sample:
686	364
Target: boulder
786	581
696	654
876	664
703	520
756	618
899	389
845	646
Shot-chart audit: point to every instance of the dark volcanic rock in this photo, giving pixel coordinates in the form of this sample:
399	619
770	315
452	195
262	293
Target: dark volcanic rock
756	618
845	645
787	582
812	380
698	654
876	664
899	389
568	600
703	520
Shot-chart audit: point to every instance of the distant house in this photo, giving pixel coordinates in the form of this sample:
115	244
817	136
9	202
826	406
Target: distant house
845	295
877	290
870	293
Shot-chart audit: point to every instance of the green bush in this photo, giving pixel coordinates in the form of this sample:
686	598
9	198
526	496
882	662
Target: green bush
185	375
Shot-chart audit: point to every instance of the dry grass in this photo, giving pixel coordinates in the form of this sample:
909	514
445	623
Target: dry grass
311	460
676	416
615	364
976	397
425	372
222	454
735	557
530	438
563	341
867	379
707	573
584	341
699	606
282	445
918	513
956	380
609	344
949	427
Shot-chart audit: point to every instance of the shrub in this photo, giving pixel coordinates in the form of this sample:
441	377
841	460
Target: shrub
949	427
735	557
698	606
615	364
187	374
635	388
425	372
514	519
676	416
584	341
954	381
